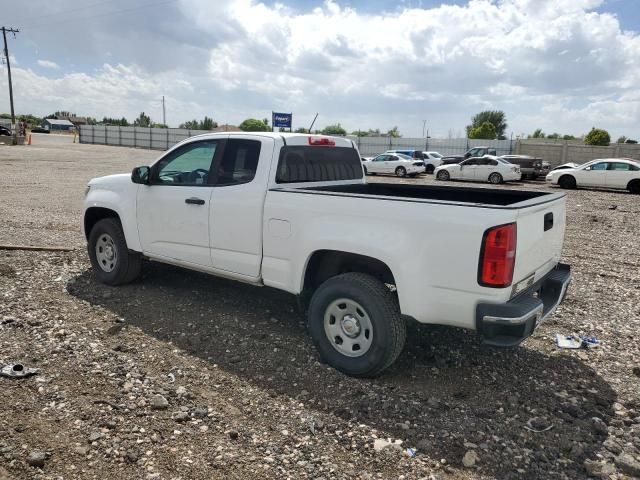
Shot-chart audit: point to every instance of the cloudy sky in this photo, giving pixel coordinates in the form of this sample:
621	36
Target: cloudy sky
560	65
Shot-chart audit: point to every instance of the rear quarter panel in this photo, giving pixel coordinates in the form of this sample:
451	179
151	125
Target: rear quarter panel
432	249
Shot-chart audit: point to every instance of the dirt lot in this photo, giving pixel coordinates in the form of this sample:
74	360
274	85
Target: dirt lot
184	376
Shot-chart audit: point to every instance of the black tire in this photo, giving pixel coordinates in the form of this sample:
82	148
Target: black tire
634	186
567	181
388	330
443	175
495	178
430	169
126	266
365	171
401	172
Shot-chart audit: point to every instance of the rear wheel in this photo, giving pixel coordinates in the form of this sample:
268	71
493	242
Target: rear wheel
111	260
495	178
567	181
430	169
355	323
365	171
443	175
401	172
634	186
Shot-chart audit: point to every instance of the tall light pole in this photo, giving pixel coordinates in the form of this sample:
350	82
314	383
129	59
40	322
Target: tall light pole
6	55
424	126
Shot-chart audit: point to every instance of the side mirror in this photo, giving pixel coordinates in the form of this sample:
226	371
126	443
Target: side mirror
140	175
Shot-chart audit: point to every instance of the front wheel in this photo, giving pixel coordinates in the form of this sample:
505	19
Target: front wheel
355	323
401	172
567	181
495	178
634	186
111	260
443	175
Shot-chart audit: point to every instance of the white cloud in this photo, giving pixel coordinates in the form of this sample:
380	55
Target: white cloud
48	64
553	64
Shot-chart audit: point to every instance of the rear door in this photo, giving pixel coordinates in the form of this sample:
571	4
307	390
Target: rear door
620	174
484	169
540	237
237	201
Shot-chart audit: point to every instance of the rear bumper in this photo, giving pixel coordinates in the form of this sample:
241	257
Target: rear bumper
508	324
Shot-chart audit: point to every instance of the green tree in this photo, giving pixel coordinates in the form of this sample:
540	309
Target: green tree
301	130
254	125
621	139
537	133
554	136
568	137
360	133
208	124
142	120
191	125
333	130
597	136
495	117
394	132
486	131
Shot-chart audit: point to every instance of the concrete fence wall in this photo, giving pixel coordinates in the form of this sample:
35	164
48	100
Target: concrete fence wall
555	153
559	153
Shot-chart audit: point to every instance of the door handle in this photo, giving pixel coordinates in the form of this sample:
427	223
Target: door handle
194	201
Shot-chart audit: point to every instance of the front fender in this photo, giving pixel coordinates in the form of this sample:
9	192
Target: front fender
121	199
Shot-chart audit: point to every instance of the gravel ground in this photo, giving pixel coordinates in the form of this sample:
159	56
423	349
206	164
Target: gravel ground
182	375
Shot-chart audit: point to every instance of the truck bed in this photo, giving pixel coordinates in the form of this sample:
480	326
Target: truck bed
470	196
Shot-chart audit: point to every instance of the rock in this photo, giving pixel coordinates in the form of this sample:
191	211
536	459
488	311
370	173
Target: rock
592	467
636	371
576	451
81	450
180	416
470	458
131	456
628	464
608	469
115	329
233	435
598	426
380	444
538	423
613	446
181	391
37	459
200	412
158	402
94	436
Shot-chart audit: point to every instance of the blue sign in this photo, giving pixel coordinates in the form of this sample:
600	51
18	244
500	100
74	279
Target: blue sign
282	119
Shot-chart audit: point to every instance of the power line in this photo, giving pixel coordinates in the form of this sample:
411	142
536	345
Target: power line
104	14
6	54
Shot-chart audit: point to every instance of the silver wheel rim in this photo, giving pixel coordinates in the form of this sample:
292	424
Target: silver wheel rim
106	253
348	327
443	176
494	178
401	172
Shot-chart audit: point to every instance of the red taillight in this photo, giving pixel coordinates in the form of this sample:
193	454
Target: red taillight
498	256
322	142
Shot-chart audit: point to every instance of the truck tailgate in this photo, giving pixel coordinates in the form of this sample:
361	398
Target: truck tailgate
540	239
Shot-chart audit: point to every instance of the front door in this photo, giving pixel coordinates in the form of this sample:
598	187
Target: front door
594	175
173	211
468	169
378	164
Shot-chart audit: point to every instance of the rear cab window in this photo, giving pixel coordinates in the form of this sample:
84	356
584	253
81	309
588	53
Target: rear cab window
299	164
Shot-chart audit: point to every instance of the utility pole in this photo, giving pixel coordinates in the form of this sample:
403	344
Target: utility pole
424	125
6	55
164	113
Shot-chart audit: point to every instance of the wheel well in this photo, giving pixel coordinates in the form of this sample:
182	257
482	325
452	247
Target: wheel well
633	182
566	175
325	264
93	215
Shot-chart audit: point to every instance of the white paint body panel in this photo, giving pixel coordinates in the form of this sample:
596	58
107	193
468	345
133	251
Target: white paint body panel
589	174
260	232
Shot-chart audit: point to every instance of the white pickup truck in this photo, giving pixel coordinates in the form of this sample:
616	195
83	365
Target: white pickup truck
294	212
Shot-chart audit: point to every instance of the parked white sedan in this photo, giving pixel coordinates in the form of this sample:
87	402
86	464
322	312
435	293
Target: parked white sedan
432	160
394	163
480	169
622	173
